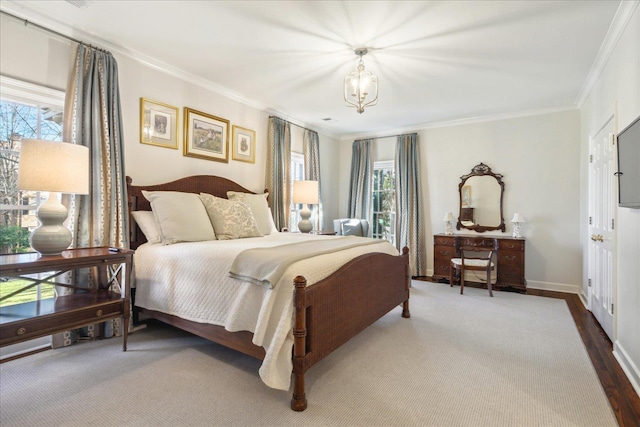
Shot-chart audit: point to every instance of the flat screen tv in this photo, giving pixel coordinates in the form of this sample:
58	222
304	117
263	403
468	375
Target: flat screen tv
629	166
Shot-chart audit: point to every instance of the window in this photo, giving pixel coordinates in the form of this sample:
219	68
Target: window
27	111
297	174
384	201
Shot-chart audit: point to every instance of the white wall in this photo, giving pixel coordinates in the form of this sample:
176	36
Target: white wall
539	159
33	55
619	87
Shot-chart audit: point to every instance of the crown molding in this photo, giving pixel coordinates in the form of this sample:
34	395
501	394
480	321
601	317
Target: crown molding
618	25
461	122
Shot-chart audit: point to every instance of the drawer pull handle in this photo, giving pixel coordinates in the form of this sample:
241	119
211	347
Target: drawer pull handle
99	313
510	258
443	252
511	245
21	331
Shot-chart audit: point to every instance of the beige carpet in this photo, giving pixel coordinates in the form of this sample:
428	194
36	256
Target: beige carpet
471	360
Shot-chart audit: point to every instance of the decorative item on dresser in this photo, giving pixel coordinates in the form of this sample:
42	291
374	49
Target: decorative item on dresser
516	221
509	258
448	223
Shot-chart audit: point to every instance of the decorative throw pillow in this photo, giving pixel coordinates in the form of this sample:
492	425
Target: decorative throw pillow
181	217
231	219
147	223
259	207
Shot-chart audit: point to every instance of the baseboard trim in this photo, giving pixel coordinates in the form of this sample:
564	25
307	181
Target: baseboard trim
555	287
627	365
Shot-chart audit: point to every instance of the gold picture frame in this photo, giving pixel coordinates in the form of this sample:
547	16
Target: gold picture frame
158	124
244	144
205	136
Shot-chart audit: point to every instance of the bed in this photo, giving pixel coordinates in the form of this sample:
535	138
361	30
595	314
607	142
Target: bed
313	309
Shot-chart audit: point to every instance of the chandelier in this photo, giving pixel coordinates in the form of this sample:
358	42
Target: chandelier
360	87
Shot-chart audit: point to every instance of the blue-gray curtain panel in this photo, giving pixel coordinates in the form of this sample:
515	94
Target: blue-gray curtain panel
93	118
278	173
311	151
409	206
360	191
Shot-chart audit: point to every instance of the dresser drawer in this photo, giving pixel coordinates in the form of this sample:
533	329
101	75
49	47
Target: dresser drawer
477	242
510	258
444	241
441	267
444	252
511	245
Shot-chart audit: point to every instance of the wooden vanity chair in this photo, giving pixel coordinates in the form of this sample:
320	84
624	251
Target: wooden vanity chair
473	258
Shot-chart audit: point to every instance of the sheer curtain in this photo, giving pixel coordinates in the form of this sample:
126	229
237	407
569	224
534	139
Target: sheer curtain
409	212
360	193
93	118
278	173
311	149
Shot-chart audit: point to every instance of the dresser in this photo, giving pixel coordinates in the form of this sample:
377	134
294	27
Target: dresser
509	258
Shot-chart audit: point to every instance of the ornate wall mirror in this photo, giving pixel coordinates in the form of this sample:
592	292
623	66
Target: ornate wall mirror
481	194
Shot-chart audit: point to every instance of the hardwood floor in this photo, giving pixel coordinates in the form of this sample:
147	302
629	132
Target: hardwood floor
623	398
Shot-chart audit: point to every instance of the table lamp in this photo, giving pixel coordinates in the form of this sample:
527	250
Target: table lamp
516	221
305	192
56	167
448	218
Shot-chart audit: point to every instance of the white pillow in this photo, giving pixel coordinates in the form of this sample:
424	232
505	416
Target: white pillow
231	219
147	223
180	216
259	207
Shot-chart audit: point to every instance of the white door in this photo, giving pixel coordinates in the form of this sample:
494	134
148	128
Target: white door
602	206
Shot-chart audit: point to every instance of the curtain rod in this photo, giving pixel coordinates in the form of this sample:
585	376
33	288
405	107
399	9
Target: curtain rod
390	136
26	22
291	123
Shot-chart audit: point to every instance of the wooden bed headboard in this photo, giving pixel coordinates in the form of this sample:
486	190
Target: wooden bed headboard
214	185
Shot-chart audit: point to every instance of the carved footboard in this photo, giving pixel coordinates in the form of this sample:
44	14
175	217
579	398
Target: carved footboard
332	311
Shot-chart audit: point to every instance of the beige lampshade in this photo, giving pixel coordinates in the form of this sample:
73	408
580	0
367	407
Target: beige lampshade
305	192
53	166
517	218
448	217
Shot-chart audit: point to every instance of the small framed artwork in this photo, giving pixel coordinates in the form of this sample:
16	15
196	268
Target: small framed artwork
466	196
244	144
158	124
205	136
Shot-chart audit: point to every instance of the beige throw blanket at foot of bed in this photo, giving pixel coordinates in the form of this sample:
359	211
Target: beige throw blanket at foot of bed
265	266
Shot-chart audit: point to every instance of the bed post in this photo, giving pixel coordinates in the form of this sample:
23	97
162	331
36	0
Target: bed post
407	284
299	399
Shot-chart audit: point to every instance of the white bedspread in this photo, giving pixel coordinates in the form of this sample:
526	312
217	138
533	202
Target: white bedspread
191	281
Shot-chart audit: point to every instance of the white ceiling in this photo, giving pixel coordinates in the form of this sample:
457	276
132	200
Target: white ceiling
437	61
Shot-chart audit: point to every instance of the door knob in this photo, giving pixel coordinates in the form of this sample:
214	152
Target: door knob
597	237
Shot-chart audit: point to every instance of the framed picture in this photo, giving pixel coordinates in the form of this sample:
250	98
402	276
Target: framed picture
205	136
466	196
244	144
158	124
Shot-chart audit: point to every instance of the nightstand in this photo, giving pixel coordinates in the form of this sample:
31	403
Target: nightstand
111	299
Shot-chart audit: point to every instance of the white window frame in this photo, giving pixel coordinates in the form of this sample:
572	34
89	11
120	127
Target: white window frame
18	91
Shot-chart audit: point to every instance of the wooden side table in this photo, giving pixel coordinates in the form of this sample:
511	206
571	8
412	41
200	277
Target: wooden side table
111	299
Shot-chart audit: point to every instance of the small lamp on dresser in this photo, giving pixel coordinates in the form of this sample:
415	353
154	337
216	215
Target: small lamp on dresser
56	167
516	221
448	223
305	192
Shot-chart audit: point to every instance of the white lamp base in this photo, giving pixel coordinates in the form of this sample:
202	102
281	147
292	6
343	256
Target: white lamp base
52	237
516	230
448	228
305	225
